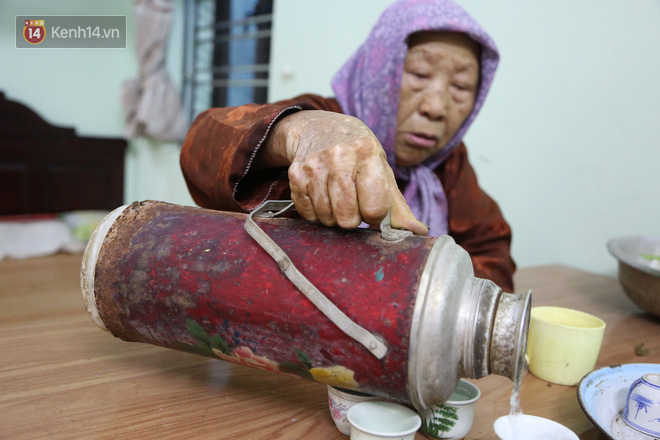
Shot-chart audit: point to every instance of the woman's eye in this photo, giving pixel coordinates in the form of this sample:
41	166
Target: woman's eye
462	87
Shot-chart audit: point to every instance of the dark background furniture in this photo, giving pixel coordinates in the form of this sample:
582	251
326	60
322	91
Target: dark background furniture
49	169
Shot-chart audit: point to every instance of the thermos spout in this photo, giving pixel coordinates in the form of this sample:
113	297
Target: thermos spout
509	335
496	341
463	326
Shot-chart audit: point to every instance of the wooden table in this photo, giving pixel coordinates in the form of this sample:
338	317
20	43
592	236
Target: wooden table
63	378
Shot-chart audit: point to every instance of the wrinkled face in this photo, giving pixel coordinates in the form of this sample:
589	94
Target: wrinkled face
438	87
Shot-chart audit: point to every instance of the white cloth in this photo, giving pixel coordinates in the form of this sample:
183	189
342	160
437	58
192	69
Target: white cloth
68	232
36	238
151	100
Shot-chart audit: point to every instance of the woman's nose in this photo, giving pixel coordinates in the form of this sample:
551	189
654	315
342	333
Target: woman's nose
434	102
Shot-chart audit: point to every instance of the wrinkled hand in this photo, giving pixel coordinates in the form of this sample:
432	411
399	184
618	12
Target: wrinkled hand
338	171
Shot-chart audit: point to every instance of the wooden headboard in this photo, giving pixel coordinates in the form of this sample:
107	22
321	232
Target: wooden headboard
49	169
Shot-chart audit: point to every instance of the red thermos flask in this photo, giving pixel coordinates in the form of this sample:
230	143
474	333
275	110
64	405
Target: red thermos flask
395	316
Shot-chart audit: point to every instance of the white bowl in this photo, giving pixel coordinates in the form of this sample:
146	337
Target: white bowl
532	427
383	420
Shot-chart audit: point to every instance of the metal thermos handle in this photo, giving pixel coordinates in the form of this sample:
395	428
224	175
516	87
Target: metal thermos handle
273	208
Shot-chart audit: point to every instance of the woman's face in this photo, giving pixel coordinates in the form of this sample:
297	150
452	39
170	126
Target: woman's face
438	88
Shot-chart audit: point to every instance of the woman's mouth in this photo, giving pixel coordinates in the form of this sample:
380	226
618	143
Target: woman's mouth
423	140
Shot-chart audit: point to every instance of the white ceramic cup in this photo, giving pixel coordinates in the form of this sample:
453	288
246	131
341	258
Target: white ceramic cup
382	421
642	409
340	400
452	419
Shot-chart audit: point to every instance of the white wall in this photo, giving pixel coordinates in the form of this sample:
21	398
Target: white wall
568	142
80	88
312	39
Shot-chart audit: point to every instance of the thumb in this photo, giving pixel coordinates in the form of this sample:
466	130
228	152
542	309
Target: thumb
403	217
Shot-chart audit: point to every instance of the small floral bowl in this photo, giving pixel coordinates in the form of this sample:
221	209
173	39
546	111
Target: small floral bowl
452	419
642	410
340	400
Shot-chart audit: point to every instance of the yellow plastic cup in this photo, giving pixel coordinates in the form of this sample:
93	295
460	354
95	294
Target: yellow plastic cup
563	344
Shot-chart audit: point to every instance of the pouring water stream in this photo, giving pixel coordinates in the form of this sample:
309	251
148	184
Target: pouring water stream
515	411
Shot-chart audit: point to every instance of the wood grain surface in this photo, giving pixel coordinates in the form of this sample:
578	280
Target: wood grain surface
61	377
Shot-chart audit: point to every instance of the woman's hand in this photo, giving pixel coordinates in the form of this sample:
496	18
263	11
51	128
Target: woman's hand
338	171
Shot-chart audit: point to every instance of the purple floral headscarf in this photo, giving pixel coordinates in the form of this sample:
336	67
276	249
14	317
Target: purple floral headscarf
368	86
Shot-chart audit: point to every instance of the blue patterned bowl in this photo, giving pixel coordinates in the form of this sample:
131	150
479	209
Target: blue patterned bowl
642	410
602	395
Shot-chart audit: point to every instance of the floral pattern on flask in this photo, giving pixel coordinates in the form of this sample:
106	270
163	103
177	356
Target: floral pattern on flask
216	346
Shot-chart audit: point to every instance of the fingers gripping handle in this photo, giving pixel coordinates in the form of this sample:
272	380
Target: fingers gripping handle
392	234
273	208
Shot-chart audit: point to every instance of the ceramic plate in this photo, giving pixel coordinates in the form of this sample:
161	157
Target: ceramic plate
534	427
602	393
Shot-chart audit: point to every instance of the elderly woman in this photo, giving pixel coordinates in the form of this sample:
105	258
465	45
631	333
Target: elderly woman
390	141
